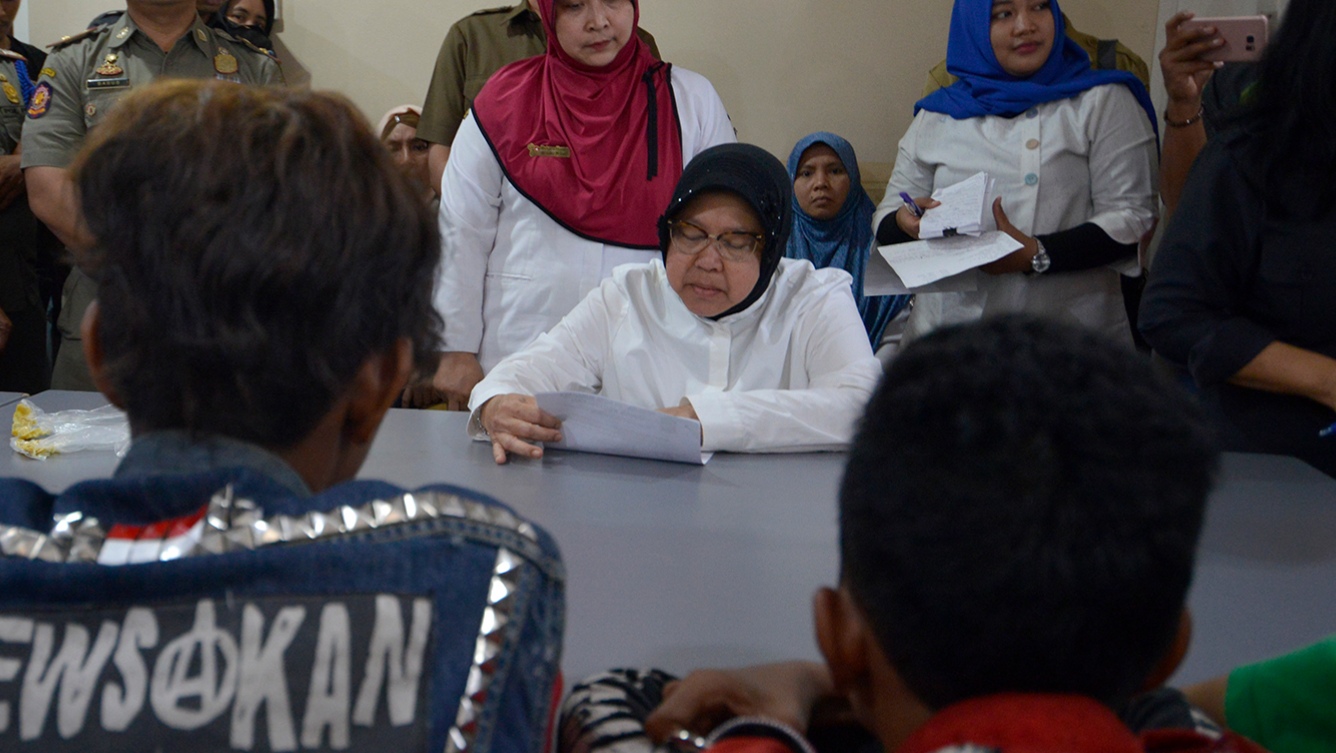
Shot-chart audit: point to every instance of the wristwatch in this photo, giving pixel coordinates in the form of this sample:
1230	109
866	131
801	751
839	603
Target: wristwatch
1040	262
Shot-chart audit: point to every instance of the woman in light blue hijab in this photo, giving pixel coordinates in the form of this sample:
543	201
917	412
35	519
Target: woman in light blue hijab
832	221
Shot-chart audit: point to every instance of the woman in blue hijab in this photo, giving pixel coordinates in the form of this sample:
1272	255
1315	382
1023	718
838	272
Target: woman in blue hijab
1073	152
832	221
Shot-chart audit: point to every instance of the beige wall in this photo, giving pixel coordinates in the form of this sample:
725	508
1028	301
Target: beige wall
784	68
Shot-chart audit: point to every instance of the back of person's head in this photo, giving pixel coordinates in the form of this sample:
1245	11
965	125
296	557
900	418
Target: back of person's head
255	247
1020	513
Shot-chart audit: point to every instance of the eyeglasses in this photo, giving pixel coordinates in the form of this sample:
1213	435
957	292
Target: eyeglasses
734	246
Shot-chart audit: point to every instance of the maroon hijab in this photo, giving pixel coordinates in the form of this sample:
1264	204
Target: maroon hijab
599	149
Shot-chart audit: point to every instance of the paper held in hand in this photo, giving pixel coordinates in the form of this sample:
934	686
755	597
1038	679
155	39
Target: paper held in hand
963	210
590	423
919	263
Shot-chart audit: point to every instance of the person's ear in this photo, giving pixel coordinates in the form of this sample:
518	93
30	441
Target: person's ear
92	348
1168	664
861	672
841	634
380	380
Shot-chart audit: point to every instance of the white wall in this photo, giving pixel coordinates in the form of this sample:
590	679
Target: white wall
21	23
783	67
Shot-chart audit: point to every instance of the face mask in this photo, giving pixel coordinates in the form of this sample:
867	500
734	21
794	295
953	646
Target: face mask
253	34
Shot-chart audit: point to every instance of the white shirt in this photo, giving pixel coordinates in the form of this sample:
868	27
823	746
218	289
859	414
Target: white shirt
509	272
790	373
1088	158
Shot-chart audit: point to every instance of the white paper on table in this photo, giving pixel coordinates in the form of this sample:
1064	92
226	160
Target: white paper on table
880	279
590	423
921	262
963	210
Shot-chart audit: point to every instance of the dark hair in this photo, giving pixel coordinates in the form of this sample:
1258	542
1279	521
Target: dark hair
1020	512
254	247
1291	112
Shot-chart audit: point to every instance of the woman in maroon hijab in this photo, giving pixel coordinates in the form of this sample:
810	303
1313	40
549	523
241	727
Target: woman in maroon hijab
558	175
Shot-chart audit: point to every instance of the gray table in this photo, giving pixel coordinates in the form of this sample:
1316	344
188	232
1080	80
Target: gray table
11	397
681	566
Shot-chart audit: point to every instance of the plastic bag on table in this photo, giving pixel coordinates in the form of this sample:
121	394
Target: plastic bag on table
39	435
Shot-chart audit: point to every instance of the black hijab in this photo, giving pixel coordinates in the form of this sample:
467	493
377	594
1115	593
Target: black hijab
256	35
756	176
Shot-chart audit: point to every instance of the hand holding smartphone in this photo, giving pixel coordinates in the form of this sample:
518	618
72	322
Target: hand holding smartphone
1245	37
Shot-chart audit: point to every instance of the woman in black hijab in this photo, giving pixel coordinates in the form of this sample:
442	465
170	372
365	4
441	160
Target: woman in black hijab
768	354
251	20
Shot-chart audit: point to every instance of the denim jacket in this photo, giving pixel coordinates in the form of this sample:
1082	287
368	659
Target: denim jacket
203	599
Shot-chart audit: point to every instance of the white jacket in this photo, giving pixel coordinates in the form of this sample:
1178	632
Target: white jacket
509	272
1088	158
790	373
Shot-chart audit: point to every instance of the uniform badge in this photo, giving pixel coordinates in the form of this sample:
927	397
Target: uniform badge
109	75
224	63
49	72
562	152
41	100
11	93
123	33
109	68
90	109
201	35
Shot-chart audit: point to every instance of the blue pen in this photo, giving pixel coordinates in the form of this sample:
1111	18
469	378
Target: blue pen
909	202
1327	431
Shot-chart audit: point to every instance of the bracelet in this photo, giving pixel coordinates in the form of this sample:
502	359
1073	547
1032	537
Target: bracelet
1201	110
760	726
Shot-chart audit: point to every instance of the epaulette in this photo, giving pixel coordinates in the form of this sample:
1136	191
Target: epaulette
12	55
255	47
246	43
85	34
489	11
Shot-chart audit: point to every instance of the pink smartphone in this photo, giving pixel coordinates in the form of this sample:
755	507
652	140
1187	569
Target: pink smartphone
1245	37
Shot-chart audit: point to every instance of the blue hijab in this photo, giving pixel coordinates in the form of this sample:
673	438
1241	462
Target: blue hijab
845	240
985	89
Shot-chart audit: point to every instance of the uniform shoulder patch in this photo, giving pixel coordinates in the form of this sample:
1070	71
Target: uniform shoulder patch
256	48
41	100
490	11
91	31
11	55
246	43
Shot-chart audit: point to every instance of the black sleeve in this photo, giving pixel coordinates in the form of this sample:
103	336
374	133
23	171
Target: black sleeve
1195	308
1085	246
889	232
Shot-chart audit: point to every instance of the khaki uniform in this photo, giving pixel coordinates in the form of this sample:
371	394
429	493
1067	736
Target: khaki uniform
477	46
11	101
82	80
1105	54
23	366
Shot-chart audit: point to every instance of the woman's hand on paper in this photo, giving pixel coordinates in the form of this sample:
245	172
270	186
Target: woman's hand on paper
685	411
682	411
905	218
1018	260
513	422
